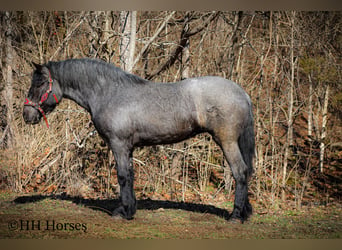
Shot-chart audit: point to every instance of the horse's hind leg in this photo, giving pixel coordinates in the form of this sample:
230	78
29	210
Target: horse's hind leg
242	207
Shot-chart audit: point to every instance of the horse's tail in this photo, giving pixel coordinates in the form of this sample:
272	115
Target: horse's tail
247	143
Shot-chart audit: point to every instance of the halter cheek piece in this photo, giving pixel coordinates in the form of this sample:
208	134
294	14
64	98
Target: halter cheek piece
42	100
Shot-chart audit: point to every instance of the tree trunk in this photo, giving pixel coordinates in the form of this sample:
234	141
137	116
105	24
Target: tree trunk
127	45
9	136
259	135
324	129
289	139
273	117
186	51
310	109
106	35
291	92
235	44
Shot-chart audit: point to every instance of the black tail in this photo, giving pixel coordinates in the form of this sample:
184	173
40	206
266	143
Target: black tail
247	143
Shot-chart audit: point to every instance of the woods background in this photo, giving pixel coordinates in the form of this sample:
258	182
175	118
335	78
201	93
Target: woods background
288	62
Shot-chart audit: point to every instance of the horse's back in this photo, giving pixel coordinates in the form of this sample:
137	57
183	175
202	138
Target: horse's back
219	102
215	87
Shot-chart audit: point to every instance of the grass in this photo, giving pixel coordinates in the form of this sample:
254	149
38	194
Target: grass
79	221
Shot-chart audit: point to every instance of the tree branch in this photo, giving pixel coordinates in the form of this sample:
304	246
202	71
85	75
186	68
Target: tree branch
68	36
185	35
161	27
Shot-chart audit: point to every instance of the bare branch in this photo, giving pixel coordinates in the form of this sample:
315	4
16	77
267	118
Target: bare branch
185	35
68	36
161	27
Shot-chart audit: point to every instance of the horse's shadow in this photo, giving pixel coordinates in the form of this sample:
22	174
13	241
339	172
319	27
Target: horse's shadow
108	205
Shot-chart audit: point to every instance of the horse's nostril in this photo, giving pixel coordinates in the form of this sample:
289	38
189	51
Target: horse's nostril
30	115
26	119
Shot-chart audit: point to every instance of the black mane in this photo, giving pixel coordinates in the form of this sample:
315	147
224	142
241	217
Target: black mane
91	71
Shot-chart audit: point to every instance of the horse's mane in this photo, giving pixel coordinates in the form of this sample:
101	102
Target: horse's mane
117	72
89	71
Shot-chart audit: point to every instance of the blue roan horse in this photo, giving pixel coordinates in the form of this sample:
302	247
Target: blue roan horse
129	112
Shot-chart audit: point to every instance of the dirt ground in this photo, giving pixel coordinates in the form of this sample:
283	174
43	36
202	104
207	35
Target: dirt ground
63	217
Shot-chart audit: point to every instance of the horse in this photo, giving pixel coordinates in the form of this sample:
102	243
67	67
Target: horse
129	111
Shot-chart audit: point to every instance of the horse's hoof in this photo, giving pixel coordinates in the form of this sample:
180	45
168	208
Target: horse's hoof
121	213
235	220
117	217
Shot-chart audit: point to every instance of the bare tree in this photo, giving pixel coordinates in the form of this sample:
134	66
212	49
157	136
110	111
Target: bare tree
186	33
128	24
186	50
75	25
289	137
159	29
7	71
324	128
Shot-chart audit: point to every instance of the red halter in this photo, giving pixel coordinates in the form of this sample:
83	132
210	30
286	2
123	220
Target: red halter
42	100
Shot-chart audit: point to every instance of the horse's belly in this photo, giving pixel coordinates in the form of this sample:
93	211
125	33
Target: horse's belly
164	133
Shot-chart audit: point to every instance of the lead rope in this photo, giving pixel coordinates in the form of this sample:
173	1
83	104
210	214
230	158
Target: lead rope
44	116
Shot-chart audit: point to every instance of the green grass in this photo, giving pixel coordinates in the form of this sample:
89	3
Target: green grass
309	223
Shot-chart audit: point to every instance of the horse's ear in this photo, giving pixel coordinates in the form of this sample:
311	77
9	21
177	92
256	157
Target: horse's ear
38	66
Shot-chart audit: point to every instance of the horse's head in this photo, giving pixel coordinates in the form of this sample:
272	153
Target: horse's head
43	96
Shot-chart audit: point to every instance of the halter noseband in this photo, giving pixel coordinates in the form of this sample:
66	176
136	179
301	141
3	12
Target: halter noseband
42	100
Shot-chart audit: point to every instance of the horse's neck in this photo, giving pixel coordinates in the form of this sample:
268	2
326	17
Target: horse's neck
70	86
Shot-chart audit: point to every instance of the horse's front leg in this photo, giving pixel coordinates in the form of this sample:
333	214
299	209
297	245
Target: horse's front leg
125	173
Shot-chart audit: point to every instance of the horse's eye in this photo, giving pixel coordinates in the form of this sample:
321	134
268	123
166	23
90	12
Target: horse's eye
38	79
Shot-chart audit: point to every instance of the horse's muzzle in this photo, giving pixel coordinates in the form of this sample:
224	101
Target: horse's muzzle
31	115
